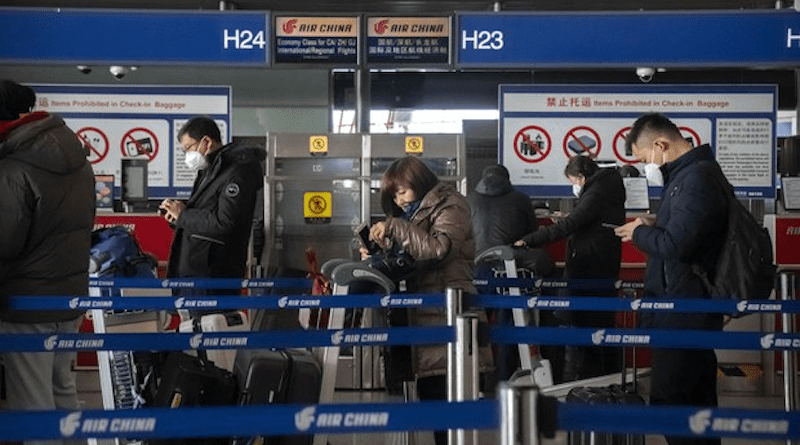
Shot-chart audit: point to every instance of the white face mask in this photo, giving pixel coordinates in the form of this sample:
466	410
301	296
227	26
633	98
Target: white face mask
652	172
576	190
195	161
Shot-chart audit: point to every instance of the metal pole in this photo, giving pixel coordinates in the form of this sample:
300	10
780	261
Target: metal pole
466	371
789	357
455	305
518	414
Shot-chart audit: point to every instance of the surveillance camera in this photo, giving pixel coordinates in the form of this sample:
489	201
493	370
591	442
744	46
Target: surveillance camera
118	71
645	73
85	69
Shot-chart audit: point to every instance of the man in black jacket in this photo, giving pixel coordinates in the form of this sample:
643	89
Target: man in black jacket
212	228
46	217
690	228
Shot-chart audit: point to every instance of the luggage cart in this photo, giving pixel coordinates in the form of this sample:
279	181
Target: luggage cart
531	369
343	274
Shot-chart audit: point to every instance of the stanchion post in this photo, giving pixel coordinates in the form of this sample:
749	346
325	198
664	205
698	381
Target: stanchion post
518	414
787	282
455	305
466	346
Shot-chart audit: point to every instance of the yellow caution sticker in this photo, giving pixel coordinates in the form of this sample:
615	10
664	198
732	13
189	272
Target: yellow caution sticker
414	144
318	145
317	207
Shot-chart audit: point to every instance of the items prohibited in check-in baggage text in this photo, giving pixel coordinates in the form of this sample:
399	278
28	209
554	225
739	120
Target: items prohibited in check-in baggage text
95	141
532	144
140	141
582	141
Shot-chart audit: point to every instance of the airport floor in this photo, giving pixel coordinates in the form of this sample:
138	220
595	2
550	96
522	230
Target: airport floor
90	398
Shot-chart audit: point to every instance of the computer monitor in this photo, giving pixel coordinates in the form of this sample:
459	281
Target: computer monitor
134	183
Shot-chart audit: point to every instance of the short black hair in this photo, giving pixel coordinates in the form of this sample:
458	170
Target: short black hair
651	123
580	165
200	126
15	99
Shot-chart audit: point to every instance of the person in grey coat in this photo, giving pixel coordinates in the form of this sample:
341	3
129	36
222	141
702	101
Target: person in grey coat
47	213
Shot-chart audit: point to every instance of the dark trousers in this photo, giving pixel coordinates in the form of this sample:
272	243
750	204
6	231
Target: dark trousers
434	388
684	377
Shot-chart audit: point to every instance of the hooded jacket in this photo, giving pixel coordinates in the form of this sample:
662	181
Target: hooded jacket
212	232
500	213
690	227
46	215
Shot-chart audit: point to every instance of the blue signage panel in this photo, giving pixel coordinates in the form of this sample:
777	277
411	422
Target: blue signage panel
543	126
598	39
134	37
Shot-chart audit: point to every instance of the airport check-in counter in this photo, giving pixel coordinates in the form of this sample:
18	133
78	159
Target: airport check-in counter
313	198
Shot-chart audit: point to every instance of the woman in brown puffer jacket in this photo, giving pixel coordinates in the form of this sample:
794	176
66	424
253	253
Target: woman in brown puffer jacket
430	221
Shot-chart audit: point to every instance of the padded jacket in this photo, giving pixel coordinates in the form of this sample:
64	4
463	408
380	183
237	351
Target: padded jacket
690	227
212	232
593	251
439	237
500	214
46	215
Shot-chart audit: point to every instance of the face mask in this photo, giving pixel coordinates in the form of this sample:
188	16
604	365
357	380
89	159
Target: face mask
576	190
195	161
652	172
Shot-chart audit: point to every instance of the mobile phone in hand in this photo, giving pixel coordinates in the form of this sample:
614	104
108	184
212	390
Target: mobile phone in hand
363	235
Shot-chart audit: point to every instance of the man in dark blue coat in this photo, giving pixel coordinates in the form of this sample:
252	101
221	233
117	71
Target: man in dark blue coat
212	229
690	228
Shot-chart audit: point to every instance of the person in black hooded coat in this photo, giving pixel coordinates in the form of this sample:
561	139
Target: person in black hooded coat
593	252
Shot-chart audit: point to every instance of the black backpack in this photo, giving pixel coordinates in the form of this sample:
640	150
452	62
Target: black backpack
745	269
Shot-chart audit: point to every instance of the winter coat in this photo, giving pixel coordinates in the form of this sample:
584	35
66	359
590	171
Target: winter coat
593	251
213	231
46	215
690	227
439	237
500	214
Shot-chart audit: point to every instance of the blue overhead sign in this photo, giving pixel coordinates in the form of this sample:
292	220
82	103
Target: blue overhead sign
661	39
39	35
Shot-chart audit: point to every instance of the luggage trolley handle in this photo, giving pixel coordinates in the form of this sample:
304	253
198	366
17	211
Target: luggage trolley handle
348	272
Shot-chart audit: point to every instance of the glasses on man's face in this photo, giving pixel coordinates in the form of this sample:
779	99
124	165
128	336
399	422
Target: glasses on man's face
185	149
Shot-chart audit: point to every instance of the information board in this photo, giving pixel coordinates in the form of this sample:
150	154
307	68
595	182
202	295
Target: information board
742	38
316	40
133	37
140	122
408	40
542	126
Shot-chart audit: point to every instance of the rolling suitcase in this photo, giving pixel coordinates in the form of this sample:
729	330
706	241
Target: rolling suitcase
268	376
187	380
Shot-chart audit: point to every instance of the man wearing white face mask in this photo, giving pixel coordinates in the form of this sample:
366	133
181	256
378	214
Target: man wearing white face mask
212	228
690	228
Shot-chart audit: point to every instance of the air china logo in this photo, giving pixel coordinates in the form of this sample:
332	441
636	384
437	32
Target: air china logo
308	417
532	302
289	26
179	302
73	303
72	423
50	342
381	26
636	304
741	306
282	302
195	341
598	336
702	421
337	337
385	301
767	341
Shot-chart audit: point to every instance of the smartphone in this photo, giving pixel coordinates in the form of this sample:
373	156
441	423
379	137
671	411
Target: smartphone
609	225
363	235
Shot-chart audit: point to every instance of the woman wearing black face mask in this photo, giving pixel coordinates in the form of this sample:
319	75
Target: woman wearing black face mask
429	220
592	253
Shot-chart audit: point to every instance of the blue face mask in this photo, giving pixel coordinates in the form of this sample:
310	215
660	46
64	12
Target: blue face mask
410	209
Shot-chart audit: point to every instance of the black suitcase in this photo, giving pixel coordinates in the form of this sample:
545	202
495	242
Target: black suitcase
187	380
614	394
271	376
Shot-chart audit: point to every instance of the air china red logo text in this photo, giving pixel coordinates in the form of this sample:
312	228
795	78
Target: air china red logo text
289	26
381	26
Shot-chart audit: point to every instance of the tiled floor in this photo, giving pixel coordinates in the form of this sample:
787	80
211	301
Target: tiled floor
90	398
